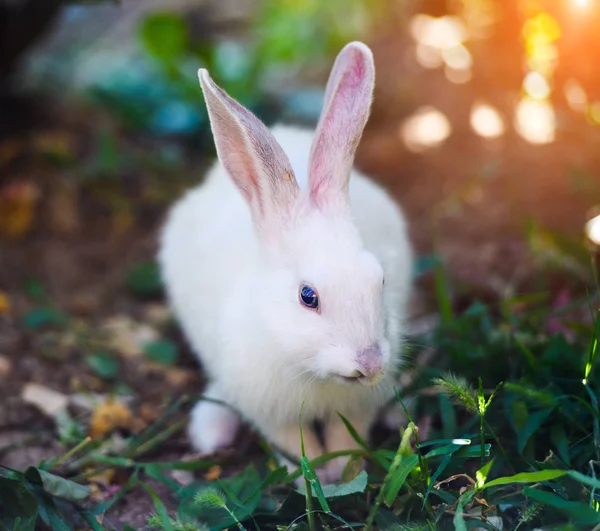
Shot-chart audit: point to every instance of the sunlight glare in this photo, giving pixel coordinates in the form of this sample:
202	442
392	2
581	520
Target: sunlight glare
575	95
486	121
425	128
441	33
592	229
457	76
428	56
536	86
595	112
535	121
457	57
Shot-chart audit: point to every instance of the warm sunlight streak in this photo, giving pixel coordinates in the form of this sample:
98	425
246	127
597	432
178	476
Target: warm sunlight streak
457	57
592	229
428	56
535	121
595	112
536	86
439	42
426	128
540	34
486	121
575	95
457	76
441	33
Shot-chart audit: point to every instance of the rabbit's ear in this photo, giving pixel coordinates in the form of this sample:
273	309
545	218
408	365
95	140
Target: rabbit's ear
346	108
250	154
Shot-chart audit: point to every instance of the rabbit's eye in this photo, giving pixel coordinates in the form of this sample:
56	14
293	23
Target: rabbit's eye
309	297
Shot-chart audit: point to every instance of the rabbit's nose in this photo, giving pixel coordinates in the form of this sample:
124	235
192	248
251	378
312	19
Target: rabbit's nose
370	362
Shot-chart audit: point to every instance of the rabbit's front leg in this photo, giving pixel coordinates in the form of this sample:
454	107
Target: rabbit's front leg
212	426
287	439
338	438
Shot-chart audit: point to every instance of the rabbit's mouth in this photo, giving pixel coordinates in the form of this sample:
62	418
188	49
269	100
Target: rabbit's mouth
359	379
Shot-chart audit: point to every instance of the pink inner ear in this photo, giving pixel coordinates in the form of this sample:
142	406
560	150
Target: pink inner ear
347	103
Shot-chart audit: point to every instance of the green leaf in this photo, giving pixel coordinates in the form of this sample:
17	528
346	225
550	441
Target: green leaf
449	452
57	486
17	504
358	484
35	290
579	512
44	316
161	510
164	35
162	351
103	364
397	480
442	291
144	280
310	475
482	474
592	349
359	440
526	477
243	496
532	424
582	478
459	521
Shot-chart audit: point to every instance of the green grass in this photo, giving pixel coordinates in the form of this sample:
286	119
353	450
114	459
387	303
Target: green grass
514	438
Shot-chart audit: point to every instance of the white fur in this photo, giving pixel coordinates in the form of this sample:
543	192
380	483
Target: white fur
236	298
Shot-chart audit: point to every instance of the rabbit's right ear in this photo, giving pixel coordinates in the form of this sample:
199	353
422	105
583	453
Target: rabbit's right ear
346	108
251	155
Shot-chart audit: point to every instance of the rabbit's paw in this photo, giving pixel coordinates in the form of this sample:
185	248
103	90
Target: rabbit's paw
212	427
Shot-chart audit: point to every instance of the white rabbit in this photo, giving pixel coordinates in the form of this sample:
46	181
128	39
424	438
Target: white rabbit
275	269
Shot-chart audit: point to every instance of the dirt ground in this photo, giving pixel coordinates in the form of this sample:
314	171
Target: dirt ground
81	251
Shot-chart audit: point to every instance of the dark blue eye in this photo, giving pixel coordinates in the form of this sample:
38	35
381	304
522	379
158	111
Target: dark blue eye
309	297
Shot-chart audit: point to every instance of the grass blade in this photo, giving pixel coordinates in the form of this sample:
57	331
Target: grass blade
592	349
459	521
311	477
352	430
399	475
161	510
526	477
579	512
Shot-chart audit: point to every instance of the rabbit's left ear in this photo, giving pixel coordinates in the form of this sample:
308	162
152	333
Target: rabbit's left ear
252	157
346	109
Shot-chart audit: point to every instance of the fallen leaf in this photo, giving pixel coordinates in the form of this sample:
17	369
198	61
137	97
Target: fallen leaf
5	365
157	314
213	473
178	377
149	413
103	477
128	337
108	416
50	402
4	303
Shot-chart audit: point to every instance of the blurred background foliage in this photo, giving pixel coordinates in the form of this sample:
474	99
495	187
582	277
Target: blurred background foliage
475	100
485	127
